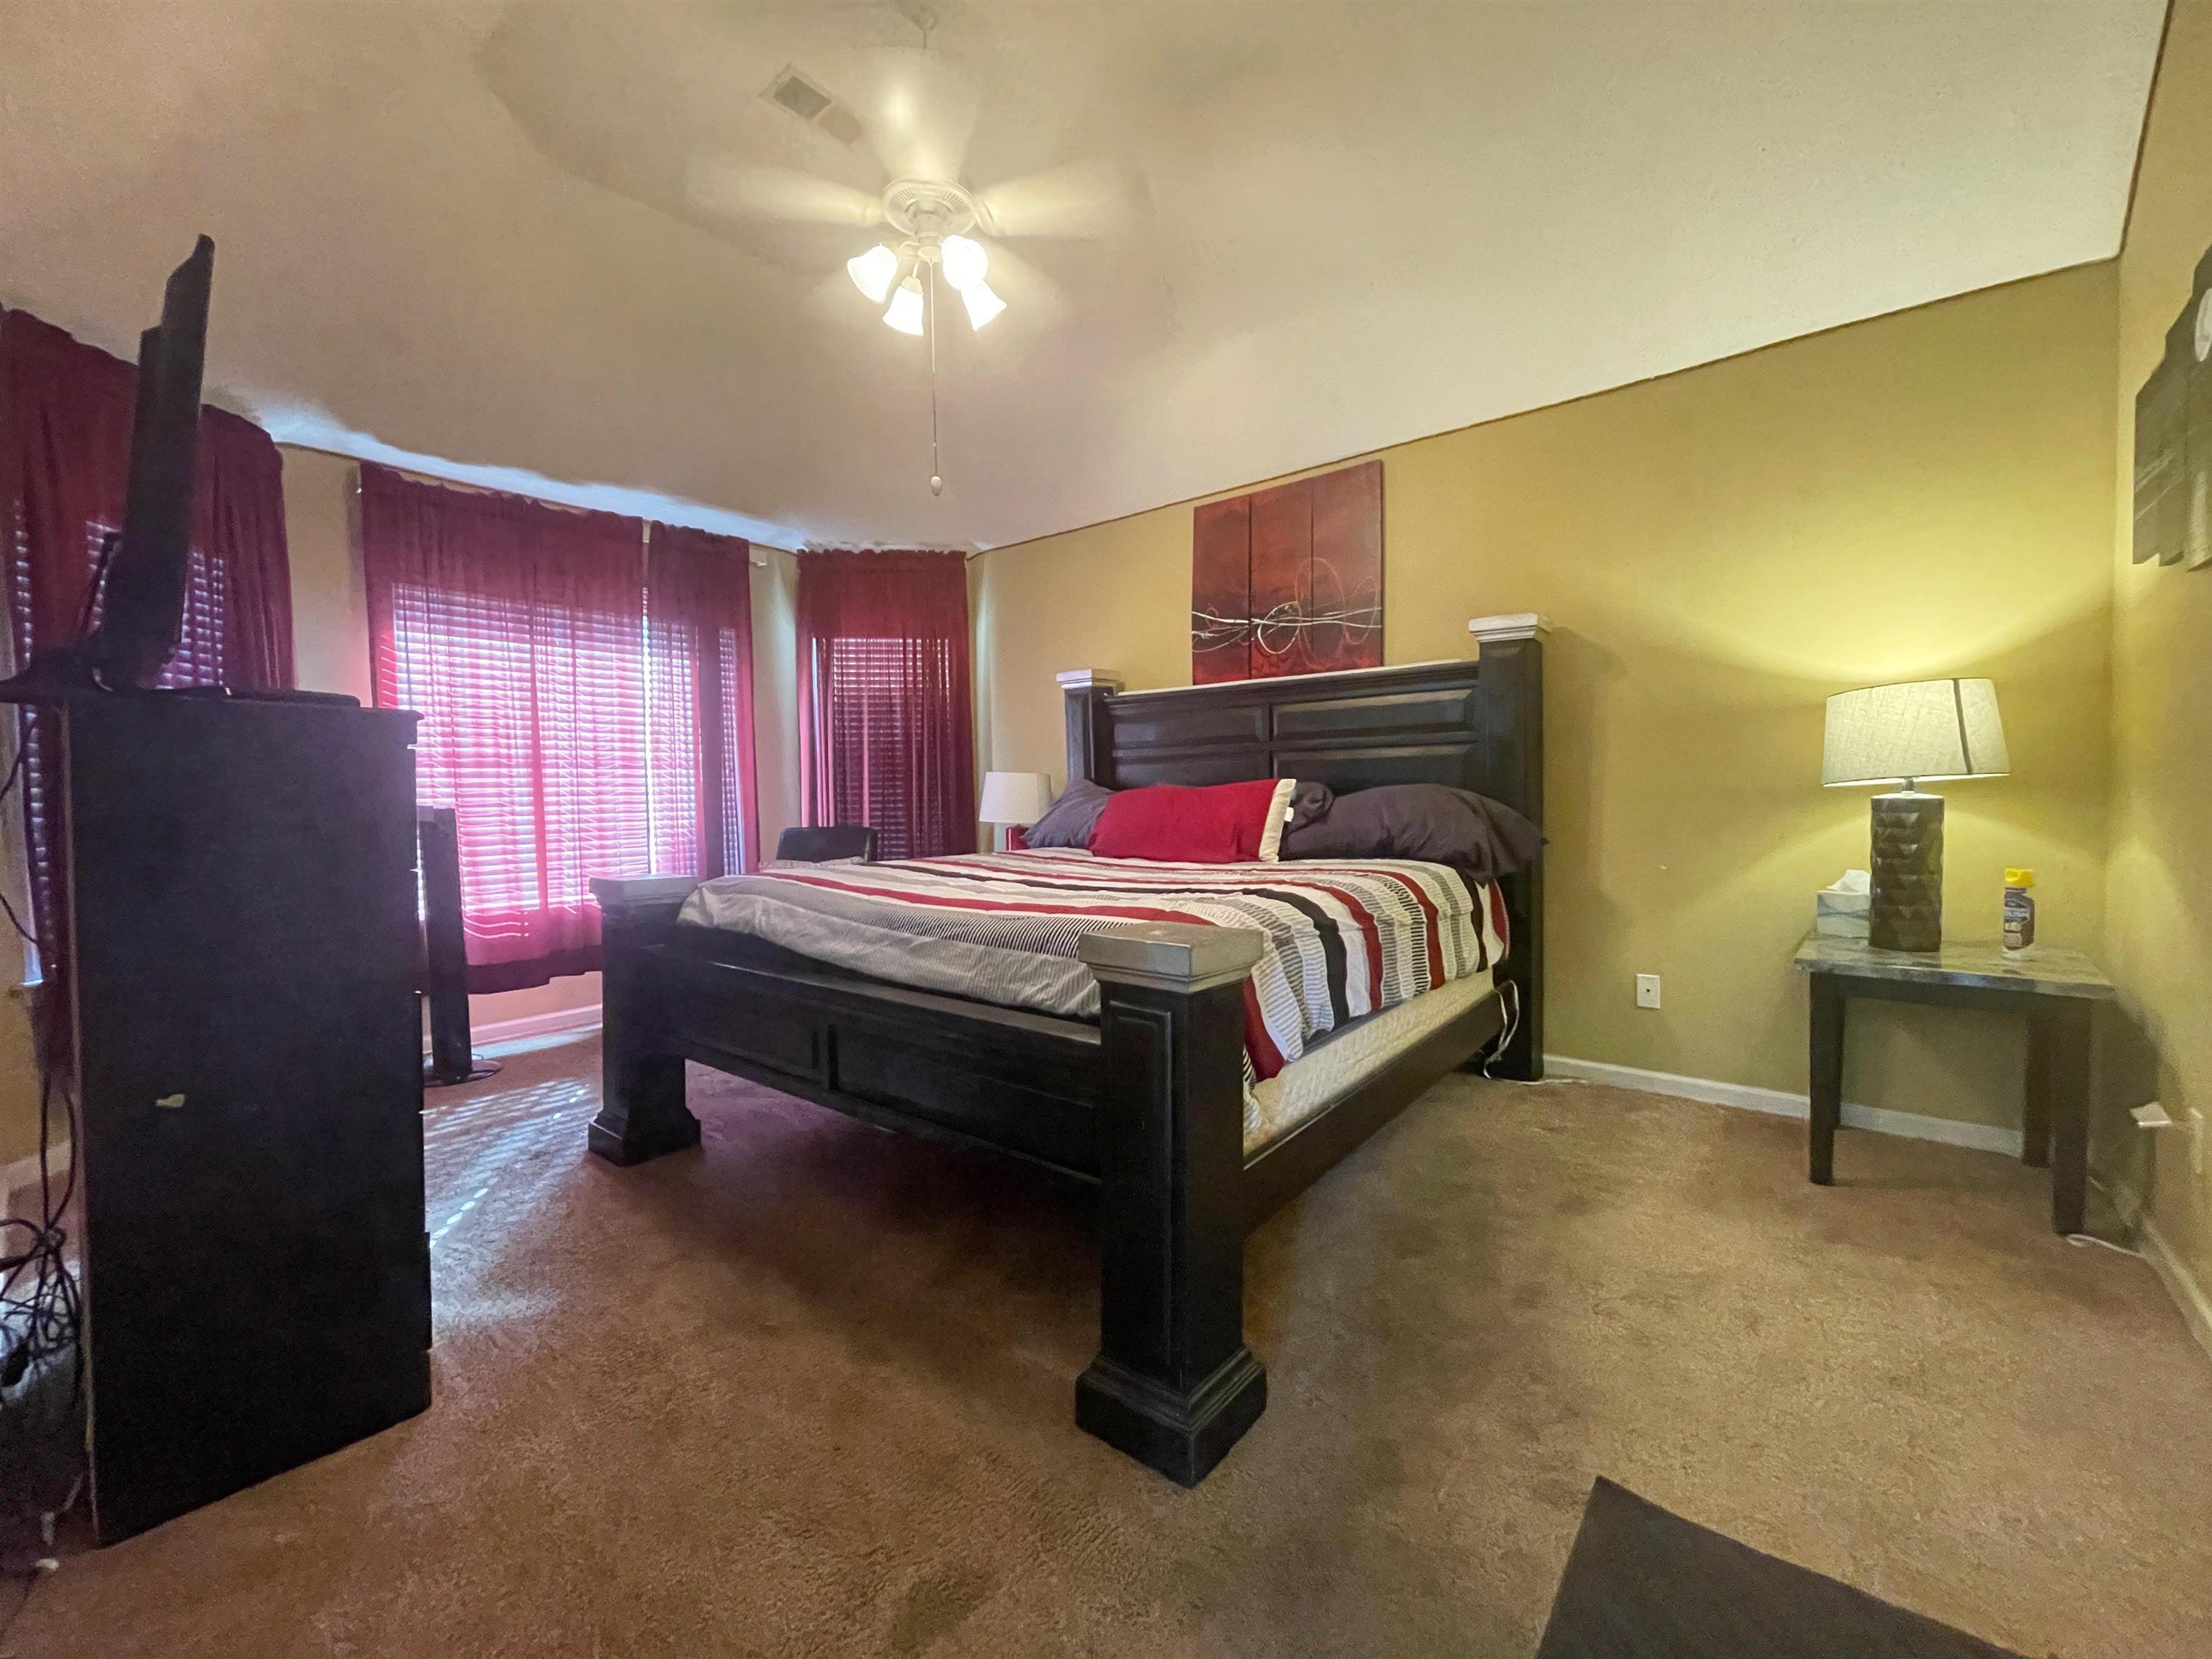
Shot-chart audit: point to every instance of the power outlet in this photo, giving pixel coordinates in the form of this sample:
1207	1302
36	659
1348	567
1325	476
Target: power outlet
1647	990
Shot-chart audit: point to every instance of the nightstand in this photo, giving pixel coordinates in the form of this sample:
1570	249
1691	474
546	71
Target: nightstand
2055	990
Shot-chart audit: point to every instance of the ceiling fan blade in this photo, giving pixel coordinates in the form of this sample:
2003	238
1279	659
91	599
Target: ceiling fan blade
723	184
1084	198
920	111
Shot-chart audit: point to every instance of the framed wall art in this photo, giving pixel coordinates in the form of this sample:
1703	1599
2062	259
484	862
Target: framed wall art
1289	580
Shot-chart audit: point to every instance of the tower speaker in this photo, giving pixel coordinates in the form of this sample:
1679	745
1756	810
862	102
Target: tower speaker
445	951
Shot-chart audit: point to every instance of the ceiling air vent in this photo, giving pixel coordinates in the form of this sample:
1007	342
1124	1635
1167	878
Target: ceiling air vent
811	104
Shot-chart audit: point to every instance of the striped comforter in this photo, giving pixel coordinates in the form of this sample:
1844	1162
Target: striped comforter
1343	938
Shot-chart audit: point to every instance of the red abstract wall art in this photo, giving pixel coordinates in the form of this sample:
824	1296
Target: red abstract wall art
1289	580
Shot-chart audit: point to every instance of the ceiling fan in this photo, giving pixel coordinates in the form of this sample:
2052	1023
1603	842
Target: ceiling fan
933	220
928	223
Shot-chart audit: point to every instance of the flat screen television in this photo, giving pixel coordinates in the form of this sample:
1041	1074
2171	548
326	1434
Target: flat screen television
143	568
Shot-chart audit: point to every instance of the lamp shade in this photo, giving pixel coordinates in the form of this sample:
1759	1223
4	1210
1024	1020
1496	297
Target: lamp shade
1918	731
1014	797
964	261
874	271
905	312
983	304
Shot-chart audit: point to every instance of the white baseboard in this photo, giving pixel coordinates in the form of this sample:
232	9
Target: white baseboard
583	1019
1982	1137
2180	1284
2173	1272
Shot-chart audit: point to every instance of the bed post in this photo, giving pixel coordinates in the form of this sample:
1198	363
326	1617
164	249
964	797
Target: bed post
1089	739
1511	667
642	1109
1173	1386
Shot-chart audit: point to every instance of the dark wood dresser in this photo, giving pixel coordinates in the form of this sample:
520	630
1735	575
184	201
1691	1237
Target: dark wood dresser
242	912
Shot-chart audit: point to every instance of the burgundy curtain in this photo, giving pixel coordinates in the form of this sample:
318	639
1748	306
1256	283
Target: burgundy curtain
65	414
65	419
698	602
886	731
586	708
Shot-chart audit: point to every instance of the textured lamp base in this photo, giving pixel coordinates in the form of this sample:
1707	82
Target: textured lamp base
1906	910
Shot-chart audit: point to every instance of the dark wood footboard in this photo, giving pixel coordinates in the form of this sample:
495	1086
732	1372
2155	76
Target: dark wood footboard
1148	1104
1015	1083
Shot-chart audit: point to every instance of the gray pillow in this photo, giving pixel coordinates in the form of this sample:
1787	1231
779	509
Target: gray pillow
1069	820
1483	838
1308	804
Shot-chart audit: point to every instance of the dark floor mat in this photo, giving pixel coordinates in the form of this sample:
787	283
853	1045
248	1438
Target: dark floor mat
1643	1583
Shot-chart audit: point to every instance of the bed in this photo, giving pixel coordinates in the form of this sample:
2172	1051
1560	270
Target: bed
1157	1097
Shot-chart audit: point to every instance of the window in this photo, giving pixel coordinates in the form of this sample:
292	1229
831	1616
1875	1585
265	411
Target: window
886	735
882	695
584	682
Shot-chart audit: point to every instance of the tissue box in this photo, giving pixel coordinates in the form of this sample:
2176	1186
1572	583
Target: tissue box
1841	912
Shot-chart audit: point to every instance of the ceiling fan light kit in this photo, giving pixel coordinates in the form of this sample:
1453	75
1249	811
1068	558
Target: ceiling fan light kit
983	304
874	271
906	312
935	219
964	262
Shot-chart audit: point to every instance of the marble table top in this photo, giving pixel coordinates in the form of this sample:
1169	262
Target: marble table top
2051	970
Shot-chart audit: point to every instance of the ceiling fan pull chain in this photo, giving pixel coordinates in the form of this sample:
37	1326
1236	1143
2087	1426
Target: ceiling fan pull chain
936	472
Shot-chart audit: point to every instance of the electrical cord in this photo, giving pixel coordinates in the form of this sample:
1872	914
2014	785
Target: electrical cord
40	1309
1509	993
15	771
40	1305
85	611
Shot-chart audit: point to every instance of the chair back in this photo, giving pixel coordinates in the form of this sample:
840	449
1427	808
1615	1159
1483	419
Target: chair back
826	841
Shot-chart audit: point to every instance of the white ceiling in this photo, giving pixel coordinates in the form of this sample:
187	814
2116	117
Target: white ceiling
470	231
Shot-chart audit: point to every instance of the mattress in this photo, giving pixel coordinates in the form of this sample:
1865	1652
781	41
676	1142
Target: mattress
1342	1061
1341	940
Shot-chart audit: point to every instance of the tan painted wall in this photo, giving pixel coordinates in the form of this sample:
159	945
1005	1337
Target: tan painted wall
329	620
1925	494
776	691
2160	882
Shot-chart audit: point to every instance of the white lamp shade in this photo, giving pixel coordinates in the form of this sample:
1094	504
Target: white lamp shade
874	271
905	312
1014	797
983	304
964	261
1921	730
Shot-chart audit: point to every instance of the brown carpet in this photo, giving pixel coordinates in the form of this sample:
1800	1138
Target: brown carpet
808	1390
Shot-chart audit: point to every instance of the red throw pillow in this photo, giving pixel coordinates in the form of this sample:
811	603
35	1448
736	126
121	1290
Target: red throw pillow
1226	823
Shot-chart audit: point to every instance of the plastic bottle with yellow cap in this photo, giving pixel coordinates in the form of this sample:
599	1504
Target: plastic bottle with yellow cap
2019	913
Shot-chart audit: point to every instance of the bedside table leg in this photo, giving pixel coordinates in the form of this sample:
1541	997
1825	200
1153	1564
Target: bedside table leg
1828	1079
2035	1113
2065	1046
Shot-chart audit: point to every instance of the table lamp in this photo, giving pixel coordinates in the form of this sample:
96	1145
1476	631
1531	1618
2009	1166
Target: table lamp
1014	797
1921	731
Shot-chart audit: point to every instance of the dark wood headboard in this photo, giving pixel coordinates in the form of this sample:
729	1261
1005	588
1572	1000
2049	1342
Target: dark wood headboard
1476	726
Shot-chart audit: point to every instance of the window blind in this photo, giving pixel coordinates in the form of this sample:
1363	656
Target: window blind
567	701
